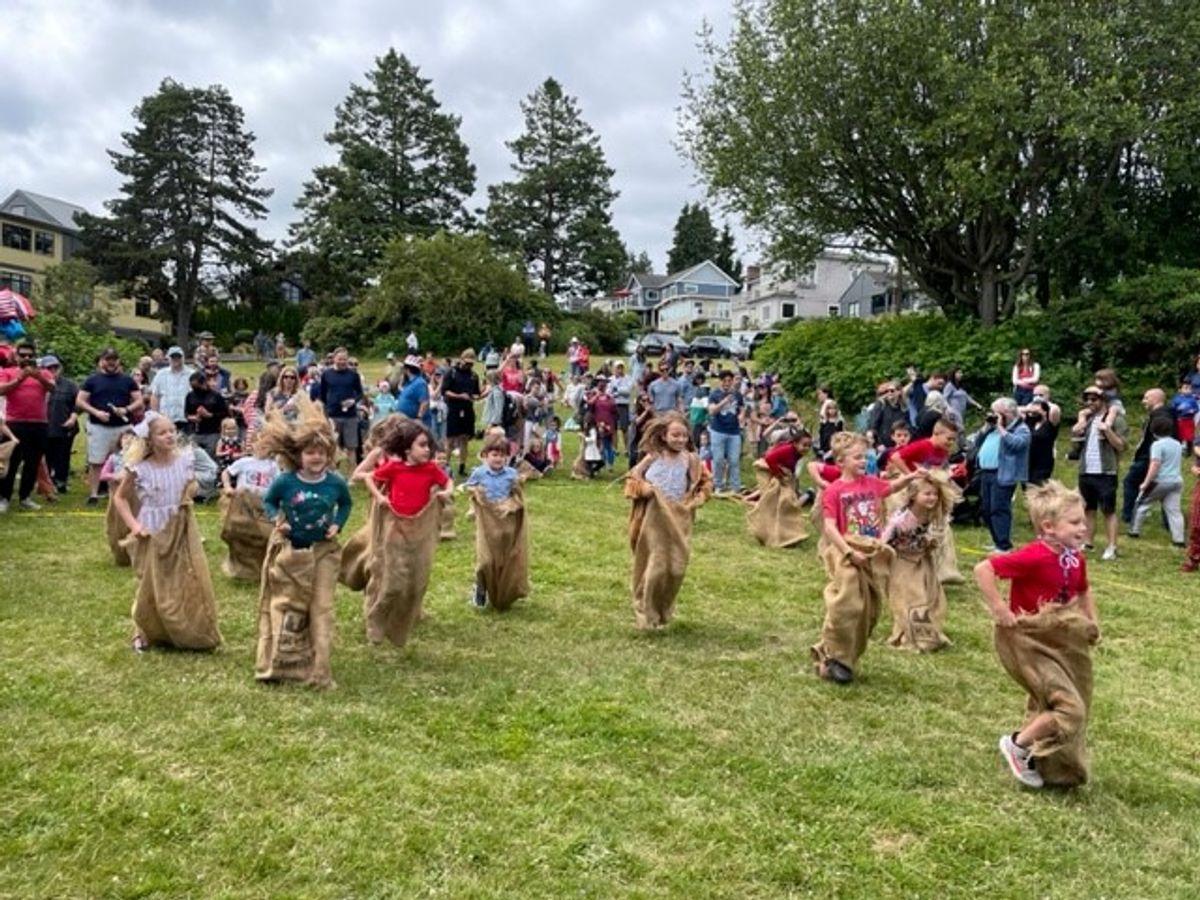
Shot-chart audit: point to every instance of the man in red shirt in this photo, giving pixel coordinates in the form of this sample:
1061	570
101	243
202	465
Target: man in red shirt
604	409
25	387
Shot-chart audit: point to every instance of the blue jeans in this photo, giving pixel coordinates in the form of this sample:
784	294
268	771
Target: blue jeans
726	452
996	505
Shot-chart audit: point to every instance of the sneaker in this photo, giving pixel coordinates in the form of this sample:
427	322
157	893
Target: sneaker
93	501
989	548
1109	554
1089	547
1019	762
1133	534
836	672
29	504
138	644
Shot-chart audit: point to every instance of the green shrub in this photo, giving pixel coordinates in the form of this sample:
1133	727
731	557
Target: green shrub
327	332
78	347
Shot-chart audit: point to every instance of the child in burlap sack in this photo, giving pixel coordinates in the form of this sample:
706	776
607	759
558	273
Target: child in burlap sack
501	555
856	560
915	595
245	527
311	504
667	486
1044	635
174	605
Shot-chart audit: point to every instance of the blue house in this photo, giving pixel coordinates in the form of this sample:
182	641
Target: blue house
699	295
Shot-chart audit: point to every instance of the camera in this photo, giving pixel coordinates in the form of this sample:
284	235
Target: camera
991	418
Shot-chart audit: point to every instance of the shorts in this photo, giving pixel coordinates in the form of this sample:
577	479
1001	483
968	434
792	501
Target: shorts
101	441
622	417
347	431
460	422
1099	492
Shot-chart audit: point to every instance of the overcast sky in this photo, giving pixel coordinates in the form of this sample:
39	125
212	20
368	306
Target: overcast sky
76	68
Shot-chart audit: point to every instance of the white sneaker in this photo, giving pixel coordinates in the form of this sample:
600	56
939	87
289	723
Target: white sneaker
28	504
1109	554
1019	762
3	506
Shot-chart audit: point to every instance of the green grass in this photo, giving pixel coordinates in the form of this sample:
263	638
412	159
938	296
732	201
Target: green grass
555	751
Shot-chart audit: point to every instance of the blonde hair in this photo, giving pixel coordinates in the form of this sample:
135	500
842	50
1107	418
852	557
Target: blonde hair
845	441
1049	501
947	491
287	440
654	435
140	447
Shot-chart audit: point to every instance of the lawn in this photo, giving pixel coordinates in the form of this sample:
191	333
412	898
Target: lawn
555	751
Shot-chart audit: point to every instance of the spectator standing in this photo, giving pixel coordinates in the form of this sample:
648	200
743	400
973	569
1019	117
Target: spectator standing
110	398
412	343
168	392
1026	373
1155	403
413	400
340	391
62	423
205	409
1043	433
25	388
664	391
957	397
1163	481
1097	439
305	356
622	388
1012	468
726	408
461	389
889	409
203	348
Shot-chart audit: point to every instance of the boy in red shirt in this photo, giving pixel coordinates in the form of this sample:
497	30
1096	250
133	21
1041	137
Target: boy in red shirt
928	453
855	559
1043	636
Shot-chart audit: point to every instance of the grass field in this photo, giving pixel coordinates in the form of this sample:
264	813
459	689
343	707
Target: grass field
555	751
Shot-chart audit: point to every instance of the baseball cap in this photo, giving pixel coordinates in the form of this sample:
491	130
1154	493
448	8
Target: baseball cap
204	336
175	351
110	353
412	361
49	361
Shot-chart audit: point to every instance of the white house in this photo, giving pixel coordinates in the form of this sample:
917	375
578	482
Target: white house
768	298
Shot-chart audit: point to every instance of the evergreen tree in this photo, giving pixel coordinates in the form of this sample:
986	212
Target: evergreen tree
639	264
727	258
556	212
402	169
695	239
190	182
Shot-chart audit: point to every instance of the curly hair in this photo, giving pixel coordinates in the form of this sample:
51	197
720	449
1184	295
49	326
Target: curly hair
1049	501
287	440
398	440
845	441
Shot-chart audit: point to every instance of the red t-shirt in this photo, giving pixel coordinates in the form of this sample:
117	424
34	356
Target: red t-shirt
408	487
830	472
512	380
782	458
604	408
26	401
922	453
856	506
1041	575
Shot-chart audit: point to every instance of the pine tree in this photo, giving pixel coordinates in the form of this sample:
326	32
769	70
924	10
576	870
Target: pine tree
556	213
695	239
402	169
190	182
726	258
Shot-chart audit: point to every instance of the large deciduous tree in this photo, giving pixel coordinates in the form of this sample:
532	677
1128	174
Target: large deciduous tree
974	141
556	212
189	195
402	168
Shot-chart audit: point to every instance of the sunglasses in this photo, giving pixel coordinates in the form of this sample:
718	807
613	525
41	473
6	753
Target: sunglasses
1088	398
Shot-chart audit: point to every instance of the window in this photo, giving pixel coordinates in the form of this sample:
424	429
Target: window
141	307
691	288
854	310
22	284
789	311
699	308
17	237
834	310
651	295
291	292
43	243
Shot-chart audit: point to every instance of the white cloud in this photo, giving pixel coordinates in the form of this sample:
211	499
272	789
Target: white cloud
289	62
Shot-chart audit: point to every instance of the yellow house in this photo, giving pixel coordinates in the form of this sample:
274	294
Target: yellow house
37	232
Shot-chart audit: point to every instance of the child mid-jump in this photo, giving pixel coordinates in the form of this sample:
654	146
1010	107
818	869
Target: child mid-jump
311	504
1044	635
501	540
409	490
915	595
666	486
175	605
856	560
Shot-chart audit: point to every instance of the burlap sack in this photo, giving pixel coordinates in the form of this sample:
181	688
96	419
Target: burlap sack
917	602
391	567
175	605
947	556
527	472
6	452
246	530
295	612
853	598
117	531
1049	655
660	536
447	530
777	519
579	469
501	547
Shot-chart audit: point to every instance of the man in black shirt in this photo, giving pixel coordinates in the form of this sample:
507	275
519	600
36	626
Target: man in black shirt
205	409
460	389
109	397
62	423
340	392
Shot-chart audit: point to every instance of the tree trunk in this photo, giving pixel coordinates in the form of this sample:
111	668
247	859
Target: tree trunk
988	298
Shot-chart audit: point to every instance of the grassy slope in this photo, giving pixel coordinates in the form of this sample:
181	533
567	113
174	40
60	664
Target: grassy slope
557	751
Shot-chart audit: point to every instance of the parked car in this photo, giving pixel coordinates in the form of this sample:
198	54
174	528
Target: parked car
757	340
716	346
655	344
